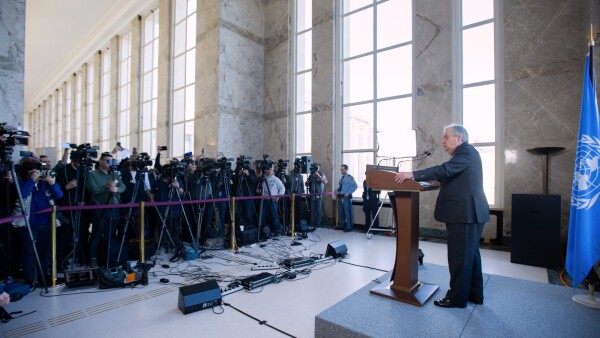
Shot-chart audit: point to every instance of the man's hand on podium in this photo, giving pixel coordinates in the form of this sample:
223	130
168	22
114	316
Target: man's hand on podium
403	176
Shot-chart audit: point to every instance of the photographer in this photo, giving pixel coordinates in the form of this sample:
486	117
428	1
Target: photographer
295	185
135	185
36	192
270	185
316	185
244	180
72	180
105	187
166	190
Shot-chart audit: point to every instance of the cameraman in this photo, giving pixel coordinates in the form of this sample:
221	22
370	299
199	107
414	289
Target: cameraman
244	180
72	180
295	185
167	189
105	187
316	185
141	189
271	186
36	192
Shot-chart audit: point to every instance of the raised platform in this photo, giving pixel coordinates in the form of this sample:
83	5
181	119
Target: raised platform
512	307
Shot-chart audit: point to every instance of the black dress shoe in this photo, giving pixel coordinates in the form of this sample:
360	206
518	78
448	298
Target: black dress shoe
445	302
476	301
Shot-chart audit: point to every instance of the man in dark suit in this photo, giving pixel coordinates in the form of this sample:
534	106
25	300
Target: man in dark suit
462	205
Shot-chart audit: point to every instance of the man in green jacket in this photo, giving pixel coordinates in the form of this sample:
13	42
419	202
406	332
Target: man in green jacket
105	187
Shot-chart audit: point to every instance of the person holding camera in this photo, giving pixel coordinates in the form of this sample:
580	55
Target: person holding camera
271	186
36	191
105	187
244	179
169	188
316	185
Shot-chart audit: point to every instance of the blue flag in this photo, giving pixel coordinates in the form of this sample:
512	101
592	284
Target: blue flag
583	248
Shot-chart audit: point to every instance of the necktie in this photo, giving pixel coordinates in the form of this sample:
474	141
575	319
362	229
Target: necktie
341	181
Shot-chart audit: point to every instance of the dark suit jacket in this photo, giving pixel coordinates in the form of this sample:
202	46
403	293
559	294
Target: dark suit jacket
461	198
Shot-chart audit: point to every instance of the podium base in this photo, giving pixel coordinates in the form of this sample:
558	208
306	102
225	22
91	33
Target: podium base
418	296
587	300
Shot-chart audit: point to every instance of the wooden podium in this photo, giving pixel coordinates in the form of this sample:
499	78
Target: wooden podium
405	285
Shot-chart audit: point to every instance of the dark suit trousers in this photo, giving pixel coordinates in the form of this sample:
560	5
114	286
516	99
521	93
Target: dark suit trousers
464	262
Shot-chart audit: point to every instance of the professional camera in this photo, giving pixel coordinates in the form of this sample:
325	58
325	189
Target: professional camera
224	165
208	167
265	163
174	169
161	148
243	163
10	137
314	167
298	164
114	165
188	159
281	169
142	162
45	170
85	154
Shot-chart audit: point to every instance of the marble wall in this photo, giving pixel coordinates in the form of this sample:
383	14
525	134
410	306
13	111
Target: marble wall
544	51
12	61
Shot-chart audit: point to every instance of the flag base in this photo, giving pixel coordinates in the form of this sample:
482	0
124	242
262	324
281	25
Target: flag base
587	300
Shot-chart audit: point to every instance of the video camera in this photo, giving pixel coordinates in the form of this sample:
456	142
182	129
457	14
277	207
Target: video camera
208	166
174	168
142	162
265	163
243	163
224	164
85	154
10	136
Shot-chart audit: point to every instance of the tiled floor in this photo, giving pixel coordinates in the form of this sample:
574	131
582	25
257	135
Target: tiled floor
289	306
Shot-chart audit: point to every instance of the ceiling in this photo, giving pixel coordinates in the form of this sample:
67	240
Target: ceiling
60	35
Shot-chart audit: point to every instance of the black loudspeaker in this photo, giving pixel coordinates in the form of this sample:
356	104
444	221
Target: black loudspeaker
198	297
536	230
336	249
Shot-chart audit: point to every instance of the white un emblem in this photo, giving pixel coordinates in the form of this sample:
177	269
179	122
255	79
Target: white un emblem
586	181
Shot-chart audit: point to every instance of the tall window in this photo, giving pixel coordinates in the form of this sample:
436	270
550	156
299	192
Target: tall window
105	102
88	138
78	116
303	77
68	114
124	90
149	82
377	82
478	88
184	76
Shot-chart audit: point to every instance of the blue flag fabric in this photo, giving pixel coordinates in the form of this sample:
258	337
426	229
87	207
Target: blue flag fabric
583	248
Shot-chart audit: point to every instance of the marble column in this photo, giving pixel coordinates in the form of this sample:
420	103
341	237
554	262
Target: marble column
323	94
165	52
83	72
73	81
432	46
113	100
135	106
241	78
94	139
12	61
207	65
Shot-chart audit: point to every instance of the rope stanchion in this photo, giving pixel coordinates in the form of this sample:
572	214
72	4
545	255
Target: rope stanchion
53	246
233	239
142	232
293	214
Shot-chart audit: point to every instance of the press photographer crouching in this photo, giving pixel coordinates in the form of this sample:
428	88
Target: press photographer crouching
36	188
105	187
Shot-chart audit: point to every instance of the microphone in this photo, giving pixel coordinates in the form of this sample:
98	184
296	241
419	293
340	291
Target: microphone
423	155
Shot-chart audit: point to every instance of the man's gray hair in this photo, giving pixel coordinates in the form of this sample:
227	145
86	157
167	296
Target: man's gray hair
458	130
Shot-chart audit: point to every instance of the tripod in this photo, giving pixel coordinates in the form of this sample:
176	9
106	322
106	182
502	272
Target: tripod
138	178
76	220
11	165
206	193
262	180
242	182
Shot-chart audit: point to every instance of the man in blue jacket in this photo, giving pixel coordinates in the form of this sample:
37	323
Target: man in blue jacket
346	187
462	205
